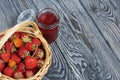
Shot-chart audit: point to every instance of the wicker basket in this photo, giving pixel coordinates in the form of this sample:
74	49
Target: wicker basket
31	28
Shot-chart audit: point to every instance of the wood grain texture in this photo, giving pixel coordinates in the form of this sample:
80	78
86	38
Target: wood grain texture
88	46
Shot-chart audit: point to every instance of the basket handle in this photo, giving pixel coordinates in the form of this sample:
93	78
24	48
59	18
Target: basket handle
29	25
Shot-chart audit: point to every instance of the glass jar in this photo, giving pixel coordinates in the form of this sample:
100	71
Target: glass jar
48	22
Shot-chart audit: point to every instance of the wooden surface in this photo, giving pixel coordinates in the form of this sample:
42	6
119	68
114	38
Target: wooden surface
88	46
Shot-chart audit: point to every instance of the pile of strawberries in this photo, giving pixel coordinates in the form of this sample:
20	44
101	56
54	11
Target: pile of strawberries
21	56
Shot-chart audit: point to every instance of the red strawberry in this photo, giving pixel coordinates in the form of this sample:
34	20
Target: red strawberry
5	56
16	58
36	41
16	34
23	52
30	62
30	46
2	65
40	63
21	67
25	37
8	46
39	53
29	73
8	71
18	75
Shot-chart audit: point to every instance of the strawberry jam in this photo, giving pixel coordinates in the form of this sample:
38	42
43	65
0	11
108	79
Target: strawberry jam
48	21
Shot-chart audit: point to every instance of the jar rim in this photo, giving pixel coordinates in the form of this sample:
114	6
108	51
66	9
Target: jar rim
48	10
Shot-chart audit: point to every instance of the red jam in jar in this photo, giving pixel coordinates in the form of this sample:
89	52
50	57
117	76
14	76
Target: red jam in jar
48	21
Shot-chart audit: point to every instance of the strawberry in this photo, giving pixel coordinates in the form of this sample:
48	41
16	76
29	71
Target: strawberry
23	52
16	34
18	75
25	37
8	46
21	67
11	63
8	71
30	46
29	73
18	42
40	63
30	62
39	53
5	56
36	41
2	65
16	58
